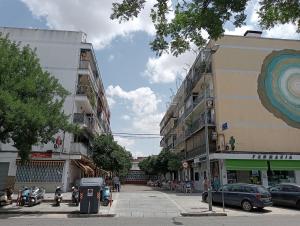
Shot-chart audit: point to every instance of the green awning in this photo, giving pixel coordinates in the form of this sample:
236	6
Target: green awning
245	164
285	164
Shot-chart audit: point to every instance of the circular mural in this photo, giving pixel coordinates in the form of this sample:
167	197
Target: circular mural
279	85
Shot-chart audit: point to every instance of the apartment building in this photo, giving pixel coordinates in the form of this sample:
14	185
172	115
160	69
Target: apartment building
67	56
249	88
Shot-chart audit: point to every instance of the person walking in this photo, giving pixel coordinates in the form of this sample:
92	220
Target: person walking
205	184
116	181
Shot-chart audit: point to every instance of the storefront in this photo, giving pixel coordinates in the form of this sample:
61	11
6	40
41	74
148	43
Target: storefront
264	169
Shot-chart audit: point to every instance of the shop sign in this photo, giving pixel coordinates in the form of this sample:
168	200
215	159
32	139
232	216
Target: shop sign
41	155
272	157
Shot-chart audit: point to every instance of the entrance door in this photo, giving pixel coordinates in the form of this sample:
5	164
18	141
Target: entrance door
3	174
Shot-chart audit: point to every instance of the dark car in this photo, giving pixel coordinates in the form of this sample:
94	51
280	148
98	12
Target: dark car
286	195
246	196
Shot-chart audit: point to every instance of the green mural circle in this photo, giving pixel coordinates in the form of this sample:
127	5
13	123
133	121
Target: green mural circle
279	85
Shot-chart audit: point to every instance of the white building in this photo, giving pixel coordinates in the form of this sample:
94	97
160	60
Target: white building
67	56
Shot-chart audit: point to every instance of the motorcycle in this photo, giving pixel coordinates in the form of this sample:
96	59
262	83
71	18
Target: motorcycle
58	196
105	195
32	196
4	199
75	196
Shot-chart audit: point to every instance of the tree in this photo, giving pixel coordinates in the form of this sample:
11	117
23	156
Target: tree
194	16
31	99
165	161
109	155
149	166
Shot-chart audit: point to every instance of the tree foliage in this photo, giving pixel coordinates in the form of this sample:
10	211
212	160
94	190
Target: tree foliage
192	17
109	155
166	161
31	100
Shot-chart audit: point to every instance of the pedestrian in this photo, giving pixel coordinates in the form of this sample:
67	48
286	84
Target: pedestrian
116	182
205	184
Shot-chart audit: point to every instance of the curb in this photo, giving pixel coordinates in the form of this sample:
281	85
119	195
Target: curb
203	214
73	213
49	201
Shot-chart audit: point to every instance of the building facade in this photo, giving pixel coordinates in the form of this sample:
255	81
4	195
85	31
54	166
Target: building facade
249	88
67	56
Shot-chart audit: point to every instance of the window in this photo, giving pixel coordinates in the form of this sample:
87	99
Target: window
290	188
224	188
276	188
196	176
248	189
236	188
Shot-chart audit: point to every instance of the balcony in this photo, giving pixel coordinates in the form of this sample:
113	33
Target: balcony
198	124
79	148
86	68
180	139
200	150
84	120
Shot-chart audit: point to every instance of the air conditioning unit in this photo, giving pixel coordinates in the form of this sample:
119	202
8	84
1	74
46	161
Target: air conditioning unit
214	136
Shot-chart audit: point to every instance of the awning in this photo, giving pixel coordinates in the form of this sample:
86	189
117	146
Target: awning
285	165
85	168
245	164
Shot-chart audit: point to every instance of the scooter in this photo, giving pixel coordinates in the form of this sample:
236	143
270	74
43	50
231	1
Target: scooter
105	195
4	200
25	196
58	196
75	196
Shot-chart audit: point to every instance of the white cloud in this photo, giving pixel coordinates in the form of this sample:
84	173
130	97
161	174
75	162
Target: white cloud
143	106
91	17
111	102
167	68
287	31
125	117
124	142
143	100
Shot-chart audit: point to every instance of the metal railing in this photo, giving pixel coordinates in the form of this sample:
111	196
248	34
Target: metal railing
83	119
79	148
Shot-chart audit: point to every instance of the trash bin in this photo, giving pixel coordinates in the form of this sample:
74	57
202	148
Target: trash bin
89	191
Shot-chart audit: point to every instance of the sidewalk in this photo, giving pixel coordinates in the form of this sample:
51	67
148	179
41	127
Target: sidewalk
48	207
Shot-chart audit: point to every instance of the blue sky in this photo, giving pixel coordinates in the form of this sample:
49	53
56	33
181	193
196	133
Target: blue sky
138	84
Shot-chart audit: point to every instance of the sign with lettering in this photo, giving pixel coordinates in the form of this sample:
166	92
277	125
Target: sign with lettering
35	155
272	156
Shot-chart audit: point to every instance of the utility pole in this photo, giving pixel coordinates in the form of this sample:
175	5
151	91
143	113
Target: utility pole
209	198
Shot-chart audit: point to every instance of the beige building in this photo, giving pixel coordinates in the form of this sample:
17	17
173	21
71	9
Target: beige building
253	112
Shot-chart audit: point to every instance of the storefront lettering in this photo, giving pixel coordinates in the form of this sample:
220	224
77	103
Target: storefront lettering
270	157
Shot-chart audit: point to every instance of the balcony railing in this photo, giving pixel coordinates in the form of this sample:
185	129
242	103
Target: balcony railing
83	119
200	150
198	124
85	64
179	140
87	91
79	148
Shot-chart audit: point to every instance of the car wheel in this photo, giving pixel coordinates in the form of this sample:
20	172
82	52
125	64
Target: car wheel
246	205
298	204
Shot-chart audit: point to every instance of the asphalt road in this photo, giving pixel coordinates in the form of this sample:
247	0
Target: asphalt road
205	221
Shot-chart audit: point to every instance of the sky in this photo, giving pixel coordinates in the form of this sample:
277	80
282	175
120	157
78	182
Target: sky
139	85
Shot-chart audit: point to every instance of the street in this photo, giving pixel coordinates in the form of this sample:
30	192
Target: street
206	221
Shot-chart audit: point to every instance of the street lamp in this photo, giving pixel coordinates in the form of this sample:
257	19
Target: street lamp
212	50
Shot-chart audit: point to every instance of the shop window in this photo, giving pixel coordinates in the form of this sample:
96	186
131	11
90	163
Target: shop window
196	176
278	177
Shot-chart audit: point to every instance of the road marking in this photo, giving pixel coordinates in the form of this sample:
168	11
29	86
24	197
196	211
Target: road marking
174	202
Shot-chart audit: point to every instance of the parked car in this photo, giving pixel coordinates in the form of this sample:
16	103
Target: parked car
246	196
32	196
286	194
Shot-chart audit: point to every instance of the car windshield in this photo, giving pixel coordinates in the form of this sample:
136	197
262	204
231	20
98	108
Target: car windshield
262	189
